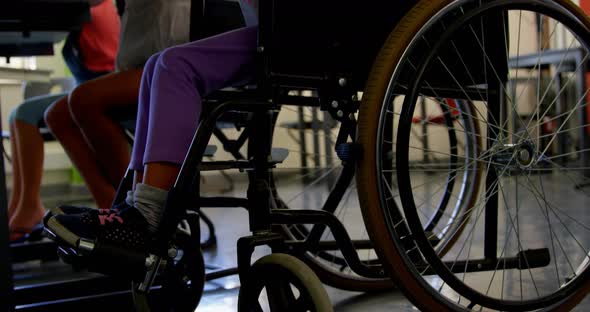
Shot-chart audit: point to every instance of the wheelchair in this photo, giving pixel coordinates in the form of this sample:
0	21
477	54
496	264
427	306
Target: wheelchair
468	216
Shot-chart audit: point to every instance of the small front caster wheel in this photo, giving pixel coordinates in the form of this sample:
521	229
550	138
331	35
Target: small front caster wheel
280	282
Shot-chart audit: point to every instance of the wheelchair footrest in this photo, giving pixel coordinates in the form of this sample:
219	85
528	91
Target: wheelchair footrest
117	261
104	258
69	256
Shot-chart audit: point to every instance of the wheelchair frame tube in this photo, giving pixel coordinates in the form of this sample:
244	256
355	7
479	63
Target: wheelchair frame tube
183	191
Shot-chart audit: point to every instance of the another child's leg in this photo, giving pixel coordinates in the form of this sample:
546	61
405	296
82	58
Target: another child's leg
26	209
30	210
98	107
16	177
28	164
63	127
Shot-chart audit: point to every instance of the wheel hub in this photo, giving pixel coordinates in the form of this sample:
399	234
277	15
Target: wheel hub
514	156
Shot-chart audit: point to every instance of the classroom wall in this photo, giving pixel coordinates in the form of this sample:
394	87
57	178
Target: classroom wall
55	63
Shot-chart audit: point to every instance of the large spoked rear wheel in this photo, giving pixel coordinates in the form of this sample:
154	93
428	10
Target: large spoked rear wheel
525	245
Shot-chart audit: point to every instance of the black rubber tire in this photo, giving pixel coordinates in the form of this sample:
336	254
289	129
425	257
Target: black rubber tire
291	268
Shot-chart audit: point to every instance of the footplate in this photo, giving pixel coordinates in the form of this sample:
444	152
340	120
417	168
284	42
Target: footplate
103	258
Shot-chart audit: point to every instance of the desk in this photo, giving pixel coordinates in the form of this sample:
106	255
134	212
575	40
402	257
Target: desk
27	28
9	73
31	27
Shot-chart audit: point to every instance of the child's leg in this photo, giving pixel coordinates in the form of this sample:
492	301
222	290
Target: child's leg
26	209
29	160
143	111
29	144
182	75
185	74
16	179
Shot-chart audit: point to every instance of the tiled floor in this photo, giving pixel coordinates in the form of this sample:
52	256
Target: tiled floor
221	295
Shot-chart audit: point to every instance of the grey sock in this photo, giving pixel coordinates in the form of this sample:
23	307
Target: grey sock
149	201
129	198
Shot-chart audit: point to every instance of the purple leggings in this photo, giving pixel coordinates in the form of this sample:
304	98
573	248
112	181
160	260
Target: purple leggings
173	84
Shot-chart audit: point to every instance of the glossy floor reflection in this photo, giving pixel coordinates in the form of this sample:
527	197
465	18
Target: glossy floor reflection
222	295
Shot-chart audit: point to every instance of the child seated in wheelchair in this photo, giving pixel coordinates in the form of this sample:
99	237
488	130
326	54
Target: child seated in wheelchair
172	87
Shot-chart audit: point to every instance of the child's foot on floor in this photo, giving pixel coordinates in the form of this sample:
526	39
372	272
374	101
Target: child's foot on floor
26	224
21	235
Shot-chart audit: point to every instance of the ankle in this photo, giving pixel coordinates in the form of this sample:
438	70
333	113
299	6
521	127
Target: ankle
26	219
149	201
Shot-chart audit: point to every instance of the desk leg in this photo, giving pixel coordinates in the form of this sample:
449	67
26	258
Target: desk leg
5	263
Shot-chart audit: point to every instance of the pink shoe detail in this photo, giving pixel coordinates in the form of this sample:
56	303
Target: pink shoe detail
111	217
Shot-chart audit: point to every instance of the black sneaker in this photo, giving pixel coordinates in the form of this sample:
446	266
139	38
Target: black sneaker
73	210
67	209
127	228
